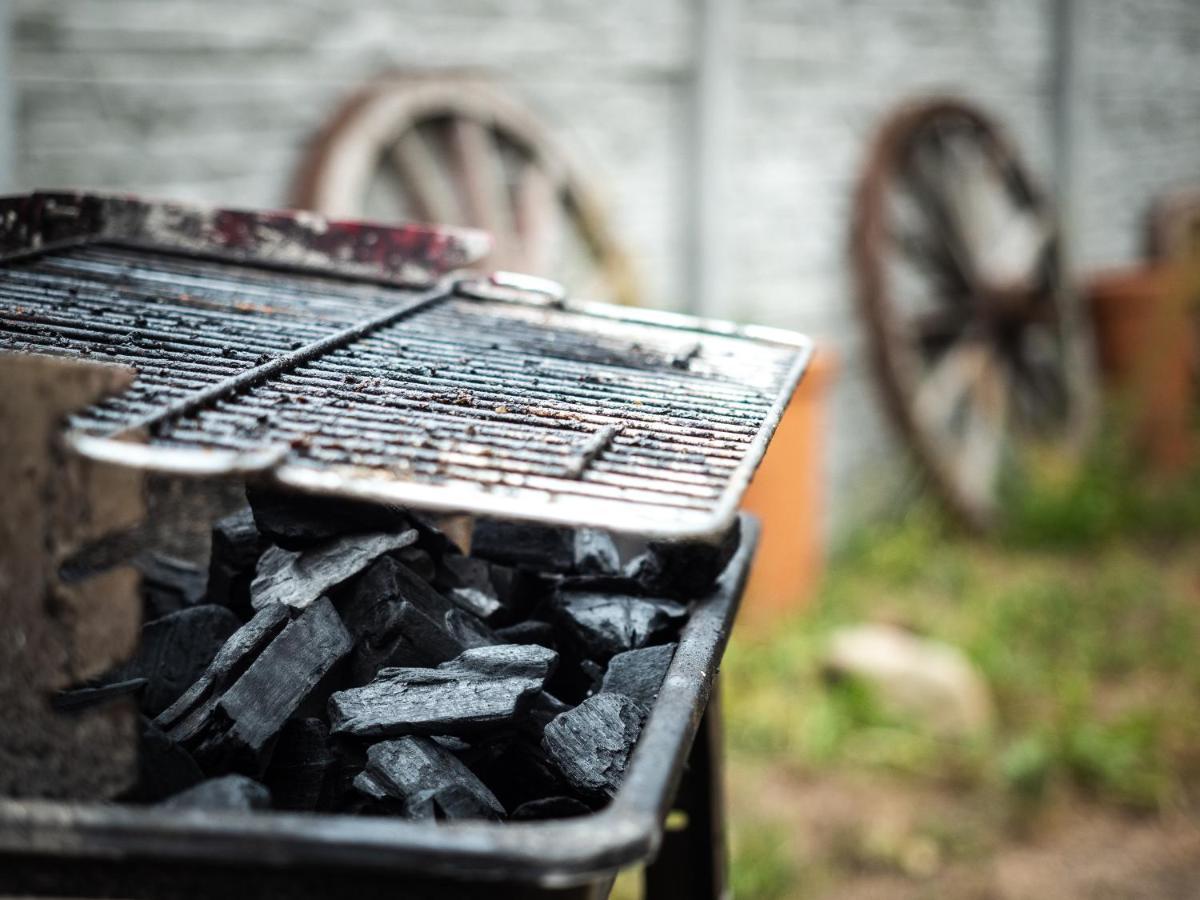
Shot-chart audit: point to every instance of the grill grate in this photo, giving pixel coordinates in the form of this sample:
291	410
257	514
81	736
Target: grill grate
421	396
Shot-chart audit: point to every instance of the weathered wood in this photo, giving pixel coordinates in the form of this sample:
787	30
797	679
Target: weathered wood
55	505
591	744
298	577
226	792
482	688
425	781
639	673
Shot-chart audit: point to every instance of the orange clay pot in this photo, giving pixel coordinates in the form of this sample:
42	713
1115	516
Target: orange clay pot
1145	329
787	495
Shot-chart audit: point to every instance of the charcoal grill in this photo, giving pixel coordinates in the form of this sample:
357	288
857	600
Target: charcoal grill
361	361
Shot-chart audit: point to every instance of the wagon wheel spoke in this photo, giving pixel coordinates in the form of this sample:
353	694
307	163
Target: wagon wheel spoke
479	169
538	218
429	190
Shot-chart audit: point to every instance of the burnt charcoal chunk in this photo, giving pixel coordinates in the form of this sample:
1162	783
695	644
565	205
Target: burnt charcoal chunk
226	792
639	673
419	561
299	764
421	780
483	687
297	578
89	695
531	631
469	582
607	624
544	710
540	547
684	570
297	521
164	768
595	553
176	650
389	580
184	718
550	808
517	771
276	671
236	545
259	703
170	584
591	744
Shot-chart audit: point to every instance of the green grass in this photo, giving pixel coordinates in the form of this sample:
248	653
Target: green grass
1084	619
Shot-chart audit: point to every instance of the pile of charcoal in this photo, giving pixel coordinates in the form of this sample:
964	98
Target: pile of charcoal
350	658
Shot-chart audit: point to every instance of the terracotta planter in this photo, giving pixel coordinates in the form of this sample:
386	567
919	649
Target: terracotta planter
1145	330
788	497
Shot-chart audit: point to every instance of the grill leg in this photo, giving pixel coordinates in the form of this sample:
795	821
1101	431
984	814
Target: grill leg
692	862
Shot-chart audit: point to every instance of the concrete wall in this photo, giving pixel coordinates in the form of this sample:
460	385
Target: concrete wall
213	99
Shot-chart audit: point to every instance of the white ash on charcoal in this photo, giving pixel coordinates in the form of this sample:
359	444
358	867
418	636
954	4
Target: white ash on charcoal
228	792
638	673
483	688
419	779
591	743
298	577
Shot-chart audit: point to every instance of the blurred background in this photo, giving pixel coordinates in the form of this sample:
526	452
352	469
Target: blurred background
969	665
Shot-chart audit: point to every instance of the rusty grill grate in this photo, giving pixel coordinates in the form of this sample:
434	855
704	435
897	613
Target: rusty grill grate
583	415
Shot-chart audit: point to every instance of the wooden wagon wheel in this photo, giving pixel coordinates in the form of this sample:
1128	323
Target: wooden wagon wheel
455	151
977	347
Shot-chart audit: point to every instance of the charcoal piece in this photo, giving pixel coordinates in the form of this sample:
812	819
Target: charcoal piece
184	718
684	570
481	688
90	695
401	635
164	768
297	578
419	562
606	624
590	745
531	631
468	582
176	650
390	580
594	673
236	544
299	765
258	704
550	808
545	548
169	584
595	553
262	675
227	792
544	710
455	745
467	630
523	544
639	673
516	770
298	521
422	780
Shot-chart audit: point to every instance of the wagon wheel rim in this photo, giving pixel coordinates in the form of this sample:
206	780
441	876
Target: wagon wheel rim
460	152
977	346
